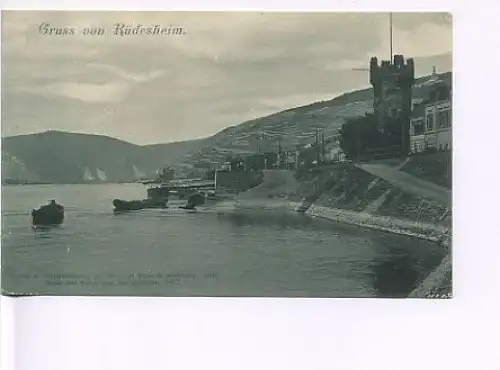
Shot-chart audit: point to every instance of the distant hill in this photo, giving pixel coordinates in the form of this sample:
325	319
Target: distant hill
61	157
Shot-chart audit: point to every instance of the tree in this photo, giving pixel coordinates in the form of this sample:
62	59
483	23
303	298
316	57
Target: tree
254	162
359	136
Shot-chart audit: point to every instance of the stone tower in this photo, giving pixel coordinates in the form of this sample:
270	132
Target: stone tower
392	83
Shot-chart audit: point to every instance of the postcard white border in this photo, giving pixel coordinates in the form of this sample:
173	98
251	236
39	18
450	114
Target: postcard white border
165	333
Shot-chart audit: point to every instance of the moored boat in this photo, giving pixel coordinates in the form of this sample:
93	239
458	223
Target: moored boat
196	199
134	205
186	194
48	215
189	206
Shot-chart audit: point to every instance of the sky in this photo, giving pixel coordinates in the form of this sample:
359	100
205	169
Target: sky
224	69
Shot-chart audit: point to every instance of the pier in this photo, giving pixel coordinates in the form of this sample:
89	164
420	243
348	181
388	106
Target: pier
184	184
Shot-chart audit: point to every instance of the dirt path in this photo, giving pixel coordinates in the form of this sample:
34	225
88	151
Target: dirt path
409	183
274	184
271	193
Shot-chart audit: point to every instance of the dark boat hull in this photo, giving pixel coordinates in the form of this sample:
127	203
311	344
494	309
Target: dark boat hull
47	216
194	200
135	205
188	207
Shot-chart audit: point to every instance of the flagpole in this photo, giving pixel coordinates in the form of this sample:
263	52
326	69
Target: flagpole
390	33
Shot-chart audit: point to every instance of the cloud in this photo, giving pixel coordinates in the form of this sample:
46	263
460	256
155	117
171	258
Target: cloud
133	77
229	67
109	92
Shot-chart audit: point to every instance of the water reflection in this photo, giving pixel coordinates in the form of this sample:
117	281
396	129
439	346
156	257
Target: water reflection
46	232
394	265
398	266
279	219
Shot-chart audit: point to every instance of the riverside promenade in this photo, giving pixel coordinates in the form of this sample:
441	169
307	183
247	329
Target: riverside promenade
408	183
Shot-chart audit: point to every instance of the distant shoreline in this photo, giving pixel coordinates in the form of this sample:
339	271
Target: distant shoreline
22	183
17	182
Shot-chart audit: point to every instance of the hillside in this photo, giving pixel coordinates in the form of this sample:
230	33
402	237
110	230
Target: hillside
298	125
61	157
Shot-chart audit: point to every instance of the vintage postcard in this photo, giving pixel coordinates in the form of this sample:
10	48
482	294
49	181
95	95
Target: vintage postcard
226	154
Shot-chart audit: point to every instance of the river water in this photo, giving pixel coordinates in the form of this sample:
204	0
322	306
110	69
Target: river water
220	251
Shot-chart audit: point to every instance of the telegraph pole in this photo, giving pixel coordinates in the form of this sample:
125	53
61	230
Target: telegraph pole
279	152
317	147
323	146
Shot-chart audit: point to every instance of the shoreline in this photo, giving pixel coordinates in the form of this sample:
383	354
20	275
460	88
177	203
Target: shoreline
392	225
420	230
438	284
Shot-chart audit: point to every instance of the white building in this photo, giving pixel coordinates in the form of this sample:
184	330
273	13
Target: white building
337	155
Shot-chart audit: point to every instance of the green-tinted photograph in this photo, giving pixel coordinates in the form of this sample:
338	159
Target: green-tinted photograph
226	154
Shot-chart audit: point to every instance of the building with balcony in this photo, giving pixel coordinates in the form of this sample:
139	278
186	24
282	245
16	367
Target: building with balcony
431	121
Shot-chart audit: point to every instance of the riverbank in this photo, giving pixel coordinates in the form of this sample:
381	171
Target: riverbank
324	198
349	194
383	223
439	282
